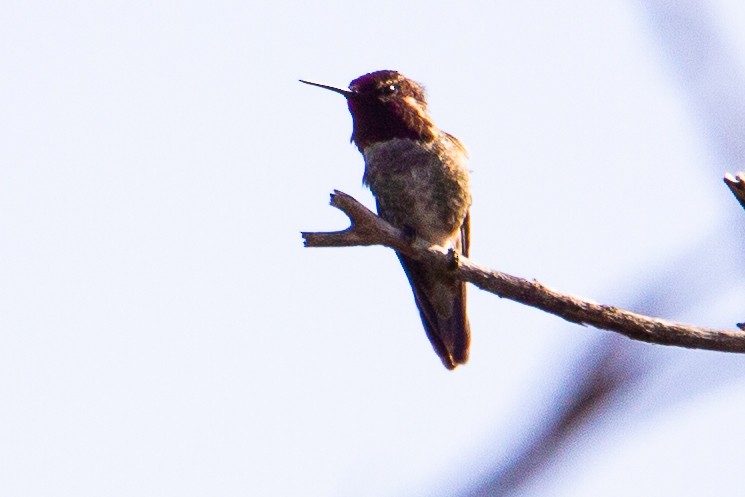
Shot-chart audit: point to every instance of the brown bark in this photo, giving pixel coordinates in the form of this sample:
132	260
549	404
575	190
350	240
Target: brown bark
369	229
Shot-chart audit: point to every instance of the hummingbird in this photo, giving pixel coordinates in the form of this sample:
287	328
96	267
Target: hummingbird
418	176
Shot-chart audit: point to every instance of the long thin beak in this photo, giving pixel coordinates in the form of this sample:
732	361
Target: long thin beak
346	93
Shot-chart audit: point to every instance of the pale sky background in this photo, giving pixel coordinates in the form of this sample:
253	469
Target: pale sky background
163	332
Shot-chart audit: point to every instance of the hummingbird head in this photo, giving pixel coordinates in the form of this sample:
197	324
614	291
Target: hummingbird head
386	105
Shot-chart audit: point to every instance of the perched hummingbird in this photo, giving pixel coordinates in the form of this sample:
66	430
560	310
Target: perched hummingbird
418	176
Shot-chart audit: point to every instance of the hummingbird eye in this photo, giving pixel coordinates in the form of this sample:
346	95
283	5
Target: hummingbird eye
390	89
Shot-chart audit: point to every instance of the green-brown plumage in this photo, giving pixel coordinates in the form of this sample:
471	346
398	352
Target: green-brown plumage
419	178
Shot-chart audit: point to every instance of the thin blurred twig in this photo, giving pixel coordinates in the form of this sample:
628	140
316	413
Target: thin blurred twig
608	371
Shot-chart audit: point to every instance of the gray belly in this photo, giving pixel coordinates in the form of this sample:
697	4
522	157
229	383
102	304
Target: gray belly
424	187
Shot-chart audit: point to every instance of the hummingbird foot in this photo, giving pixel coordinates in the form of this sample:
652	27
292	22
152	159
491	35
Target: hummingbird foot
409	235
454	259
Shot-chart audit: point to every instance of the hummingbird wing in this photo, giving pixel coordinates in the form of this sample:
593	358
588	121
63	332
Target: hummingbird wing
442	304
465	235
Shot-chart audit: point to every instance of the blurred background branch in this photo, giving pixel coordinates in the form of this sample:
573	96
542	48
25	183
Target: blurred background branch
612	373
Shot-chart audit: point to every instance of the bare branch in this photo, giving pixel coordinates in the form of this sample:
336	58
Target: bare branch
369	229
366	228
737	185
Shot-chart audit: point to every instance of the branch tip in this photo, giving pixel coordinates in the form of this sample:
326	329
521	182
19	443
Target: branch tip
736	184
